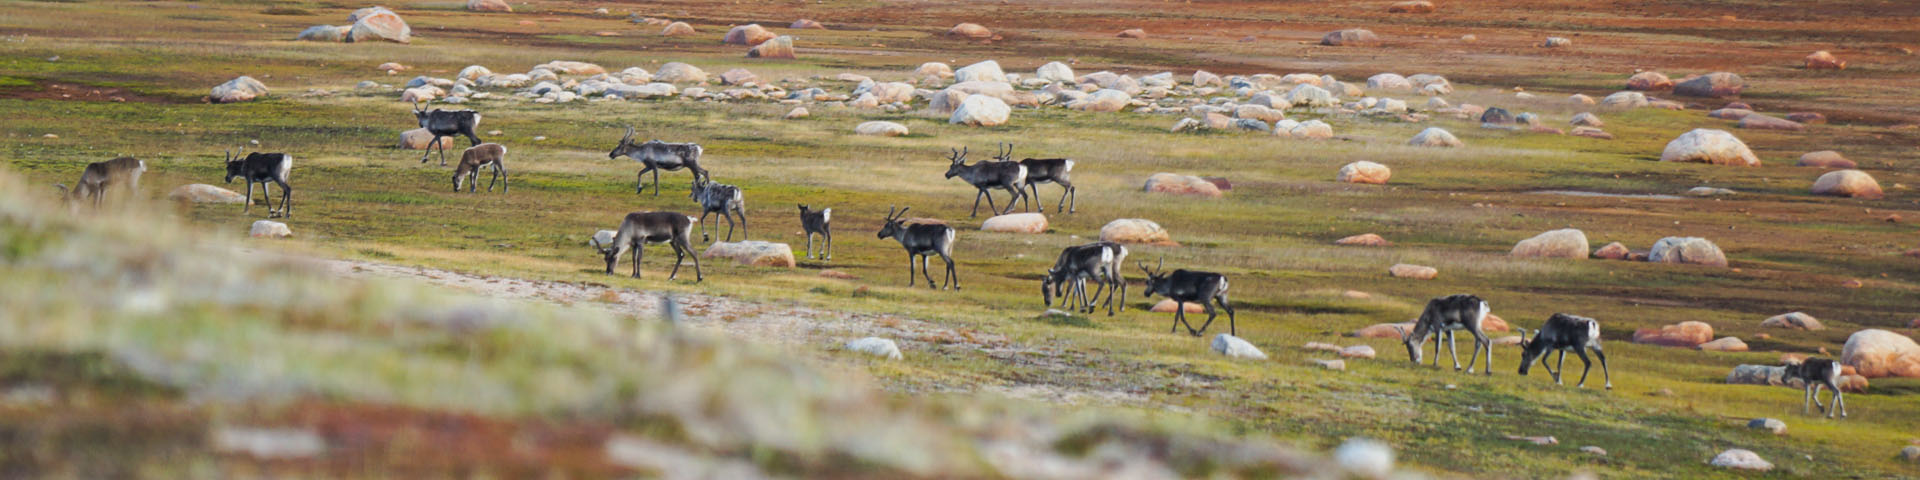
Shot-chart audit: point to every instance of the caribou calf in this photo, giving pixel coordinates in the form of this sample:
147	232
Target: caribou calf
1189	286
817	222
642	228
1099	261
1047	170
1561	333
261	168
1442	317
99	176
446	123
1814	373
922	241
656	155
485	155
1009	176
723	199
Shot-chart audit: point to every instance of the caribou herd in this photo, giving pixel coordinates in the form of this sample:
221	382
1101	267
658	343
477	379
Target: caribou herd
1101	263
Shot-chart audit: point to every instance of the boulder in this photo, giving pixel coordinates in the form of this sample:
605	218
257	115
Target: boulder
1587	119
1187	125
1725	344
419	138
203	193
1624	100
1757	375
1411	6
1646	81
1712	85
1794	320
1417	272
803	23
1389	82
1730	113
273	229
778	47
1764	122
985	71
1324	347
1591	132
981	111
750	34
1103	100
970	31
1310	96
1556	42
1202	78
1016	223
1384	330
378	23
1331	364
1365	172
1825	159
1683	334
1910	453
933	69
1135	230
881	128
1496	116
473	73
1562	243
752	253
1168	306
1707	145
1177	184
1234	347
1612	251
1435	137
1311	129
241	89
1580	99
1822	60
1357	351
1739	459
1847	183
676	29
875	346
1132	33
1363	240
324	33
1350	37
797	113
489	6
738	76
1055	72
1807	118
1771	425
1688	250
1257	112
1876	353
676	72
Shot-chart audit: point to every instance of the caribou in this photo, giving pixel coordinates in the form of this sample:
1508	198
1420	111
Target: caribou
442	123
1098	261
656	155
261	168
643	228
719	198
1009	176
99	176
1442	317
1561	333
486	155
1046	170
1814	373
922	241
1189	286
817	222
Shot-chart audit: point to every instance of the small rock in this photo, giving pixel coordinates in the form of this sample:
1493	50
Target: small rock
1364	240
1725	344
1365	457
1740	459
1911	453
1683	334
1535	440
1435	137
1794	320
1335	364
881	128
203	193
1026	222
1594	450
1325	347
1177	184
269	229
1562	243
1824	159
1823	60
1365	172
876	346
1235	347
752	253
1772	425
1357	351
1383	330
1418	272
1168	306
1847	183
268	443
1135	230
1612	251
797	113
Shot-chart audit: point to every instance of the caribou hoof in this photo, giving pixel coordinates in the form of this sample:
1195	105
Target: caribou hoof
1609	386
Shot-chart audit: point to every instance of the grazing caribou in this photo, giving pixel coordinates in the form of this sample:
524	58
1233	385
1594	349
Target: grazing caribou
261	168
485	155
1047	170
1442	317
1009	176
719	198
1188	286
99	176
442	123
1561	333
817	222
922	241
656	155
643	228
1100	262
1814	373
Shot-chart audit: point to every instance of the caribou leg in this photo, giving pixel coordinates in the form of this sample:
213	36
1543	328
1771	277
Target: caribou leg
924	261
286	199
639	250
1480	339
1584	370
1603	366
910	278
1453	347
640	183
248	208
953	276
829	235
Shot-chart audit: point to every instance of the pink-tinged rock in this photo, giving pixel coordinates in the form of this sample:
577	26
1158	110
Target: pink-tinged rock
1847	183
1825	159
1383	330
750	34
1649	81
1823	60
1417	272
1764	122
1878	353
1612	251
1725	344
1683	334
1364	240
1168	306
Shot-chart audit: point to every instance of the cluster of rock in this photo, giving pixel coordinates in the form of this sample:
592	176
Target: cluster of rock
366	24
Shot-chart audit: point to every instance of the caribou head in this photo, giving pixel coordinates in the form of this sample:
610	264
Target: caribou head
892	226
626	145
236	165
958	162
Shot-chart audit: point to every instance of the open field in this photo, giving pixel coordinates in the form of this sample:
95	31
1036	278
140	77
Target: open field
357	197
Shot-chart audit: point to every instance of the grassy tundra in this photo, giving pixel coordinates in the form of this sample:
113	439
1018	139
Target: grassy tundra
1459	210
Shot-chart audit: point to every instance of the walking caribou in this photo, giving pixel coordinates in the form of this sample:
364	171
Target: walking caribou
922	241
1009	176
817	222
1046	170
656	155
1561	333
1098	261
1189	286
1813	374
719	198
442	123
261	168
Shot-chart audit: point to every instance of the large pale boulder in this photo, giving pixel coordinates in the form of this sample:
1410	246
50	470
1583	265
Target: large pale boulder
1562	243
1707	145
1235	347
273	229
676	72
1203	78
1823	60
489	6
240	89
677	29
419	138
1384	330
1688	250
933	69
1725	344
1417	272
1435	137
985	71
1649	81
876	346
750	34
1683	334
1740	459
1055	72
971	31
892	92
778	47
880	128
804	23
1875	353
1311	129
324	33
1624	100
1135	230
1170	306
1181	185
378	23
1304	95
1587	119
738	76
981	111
1103	100
1365	172
1793	320
1389	82
752	253
1847	183
1027	222
1350	37
1825	159
203	193
1712	85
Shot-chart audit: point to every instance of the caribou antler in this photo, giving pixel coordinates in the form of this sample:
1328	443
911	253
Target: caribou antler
628	138
1402	330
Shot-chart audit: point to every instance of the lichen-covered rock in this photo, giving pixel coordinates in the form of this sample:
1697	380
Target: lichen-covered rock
880	128
1688	250
241	89
324	33
981	111
1825	159
1411	6
1055	72
752	253
777	47
677	29
1683	334
203	193
1757	121
1707	145
1350	37
1417	272
1875	353
1739	459
1824	60
378	23
984	71
1624	100
1363	240
1612	251
1712	85
1177	184
1793	320
1235	347
676	72
1847	183
1562	243
269	229
1365	172
1135	230
971	31
1649	81
1725	344
1103	100
1026	222
489	6
1435	137
750	34
419	138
